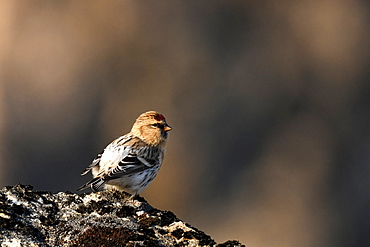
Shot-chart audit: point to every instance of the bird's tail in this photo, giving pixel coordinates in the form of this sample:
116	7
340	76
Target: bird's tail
95	184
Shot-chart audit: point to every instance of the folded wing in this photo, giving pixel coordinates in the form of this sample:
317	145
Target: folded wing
131	163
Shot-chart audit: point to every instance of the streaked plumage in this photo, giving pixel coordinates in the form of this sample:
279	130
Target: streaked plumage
131	161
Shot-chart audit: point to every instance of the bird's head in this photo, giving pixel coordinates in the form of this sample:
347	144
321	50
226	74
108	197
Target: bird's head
151	127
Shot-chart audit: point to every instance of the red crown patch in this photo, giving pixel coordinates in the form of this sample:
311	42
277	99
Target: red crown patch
159	117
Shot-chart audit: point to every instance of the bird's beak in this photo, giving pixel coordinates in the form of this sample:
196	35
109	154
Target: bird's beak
167	128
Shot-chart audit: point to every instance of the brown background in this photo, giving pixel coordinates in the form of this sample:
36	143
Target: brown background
268	100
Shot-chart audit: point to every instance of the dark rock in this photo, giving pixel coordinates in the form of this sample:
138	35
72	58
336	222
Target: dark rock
108	218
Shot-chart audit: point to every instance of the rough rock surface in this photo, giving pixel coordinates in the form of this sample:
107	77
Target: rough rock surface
109	218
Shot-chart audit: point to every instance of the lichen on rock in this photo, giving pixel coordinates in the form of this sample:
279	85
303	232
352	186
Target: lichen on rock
107	218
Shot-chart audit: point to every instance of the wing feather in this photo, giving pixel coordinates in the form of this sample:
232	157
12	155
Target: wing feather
91	166
131	163
137	158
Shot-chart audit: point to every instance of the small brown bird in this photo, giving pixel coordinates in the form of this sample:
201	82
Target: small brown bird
132	161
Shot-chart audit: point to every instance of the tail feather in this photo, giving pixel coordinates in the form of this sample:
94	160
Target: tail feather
95	184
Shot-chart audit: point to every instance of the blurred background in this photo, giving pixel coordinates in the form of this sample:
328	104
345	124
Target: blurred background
268	100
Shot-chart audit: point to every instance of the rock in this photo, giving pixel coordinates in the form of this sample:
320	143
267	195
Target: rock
107	218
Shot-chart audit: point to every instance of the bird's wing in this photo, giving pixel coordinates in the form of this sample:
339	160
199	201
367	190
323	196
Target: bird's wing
96	161
133	162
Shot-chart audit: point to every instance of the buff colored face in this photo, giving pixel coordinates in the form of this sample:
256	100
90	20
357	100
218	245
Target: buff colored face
152	127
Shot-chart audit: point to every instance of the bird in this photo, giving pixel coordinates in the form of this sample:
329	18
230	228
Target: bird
132	161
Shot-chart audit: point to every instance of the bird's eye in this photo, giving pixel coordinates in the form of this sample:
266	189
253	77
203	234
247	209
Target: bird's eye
154	125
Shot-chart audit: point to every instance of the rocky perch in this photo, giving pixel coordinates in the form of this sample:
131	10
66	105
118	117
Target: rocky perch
108	218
